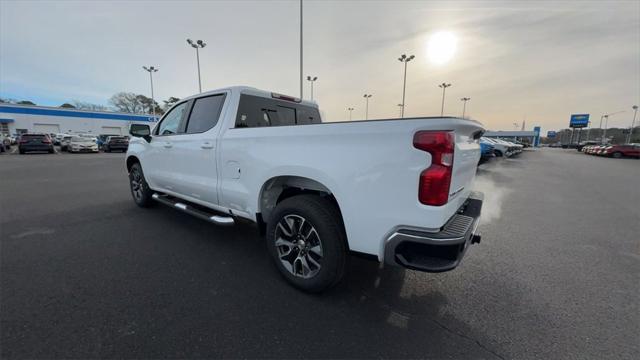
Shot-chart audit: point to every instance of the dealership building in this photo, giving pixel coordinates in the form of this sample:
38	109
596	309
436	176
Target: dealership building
21	119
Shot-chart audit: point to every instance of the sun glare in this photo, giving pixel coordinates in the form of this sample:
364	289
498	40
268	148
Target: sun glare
441	47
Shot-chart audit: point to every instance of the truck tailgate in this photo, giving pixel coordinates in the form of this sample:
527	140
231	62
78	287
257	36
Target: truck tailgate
465	161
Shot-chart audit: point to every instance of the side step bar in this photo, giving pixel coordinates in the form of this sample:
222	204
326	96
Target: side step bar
191	210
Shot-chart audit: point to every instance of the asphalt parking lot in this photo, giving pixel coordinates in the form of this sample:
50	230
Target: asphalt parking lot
87	274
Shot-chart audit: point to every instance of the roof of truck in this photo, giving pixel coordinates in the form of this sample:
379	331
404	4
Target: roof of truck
253	91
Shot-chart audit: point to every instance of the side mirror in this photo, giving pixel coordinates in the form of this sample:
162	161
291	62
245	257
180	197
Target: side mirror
139	130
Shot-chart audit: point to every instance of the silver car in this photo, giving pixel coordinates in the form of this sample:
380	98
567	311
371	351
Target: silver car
82	144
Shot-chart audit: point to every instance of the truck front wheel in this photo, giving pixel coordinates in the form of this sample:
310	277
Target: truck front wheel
139	188
306	239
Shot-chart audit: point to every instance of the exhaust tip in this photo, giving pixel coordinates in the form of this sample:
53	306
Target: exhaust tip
476	238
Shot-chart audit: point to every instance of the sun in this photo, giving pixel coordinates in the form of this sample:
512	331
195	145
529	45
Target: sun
441	47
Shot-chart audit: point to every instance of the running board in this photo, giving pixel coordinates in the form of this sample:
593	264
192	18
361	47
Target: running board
191	210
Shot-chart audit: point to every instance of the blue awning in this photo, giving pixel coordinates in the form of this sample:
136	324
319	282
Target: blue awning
6	121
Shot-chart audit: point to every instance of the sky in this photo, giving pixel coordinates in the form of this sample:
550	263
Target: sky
533	60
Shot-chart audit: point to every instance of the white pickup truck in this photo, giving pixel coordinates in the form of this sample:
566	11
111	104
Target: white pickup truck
397	191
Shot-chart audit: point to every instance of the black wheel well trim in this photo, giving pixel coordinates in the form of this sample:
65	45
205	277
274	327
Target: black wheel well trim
132	159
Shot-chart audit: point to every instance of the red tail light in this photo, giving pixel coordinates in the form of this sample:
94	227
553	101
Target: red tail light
46	141
436	179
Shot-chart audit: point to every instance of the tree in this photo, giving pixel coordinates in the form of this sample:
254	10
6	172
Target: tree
25	102
67	106
134	103
170	102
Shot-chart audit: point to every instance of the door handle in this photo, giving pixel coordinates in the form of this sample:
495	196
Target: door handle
206	145
168	145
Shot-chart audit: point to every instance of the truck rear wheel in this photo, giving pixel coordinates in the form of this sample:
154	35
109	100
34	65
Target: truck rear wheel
306	239
139	188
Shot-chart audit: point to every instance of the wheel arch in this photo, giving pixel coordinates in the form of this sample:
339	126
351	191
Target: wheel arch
131	159
281	187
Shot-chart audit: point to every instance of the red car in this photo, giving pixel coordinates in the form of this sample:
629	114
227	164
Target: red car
618	151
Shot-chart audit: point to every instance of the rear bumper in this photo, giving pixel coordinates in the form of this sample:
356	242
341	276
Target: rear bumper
43	147
436	251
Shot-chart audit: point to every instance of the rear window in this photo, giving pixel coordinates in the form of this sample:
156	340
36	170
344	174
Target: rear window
33	136
117	138
256	111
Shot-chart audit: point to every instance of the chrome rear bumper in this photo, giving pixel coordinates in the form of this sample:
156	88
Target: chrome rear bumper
436	251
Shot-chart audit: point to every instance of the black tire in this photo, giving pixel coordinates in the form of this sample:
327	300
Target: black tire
21	151
322	216
498	153
140	190
617	155
51	151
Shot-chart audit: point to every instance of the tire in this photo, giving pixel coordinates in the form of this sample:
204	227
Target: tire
293	224
617	155
140	190
51	151
498	153
21	151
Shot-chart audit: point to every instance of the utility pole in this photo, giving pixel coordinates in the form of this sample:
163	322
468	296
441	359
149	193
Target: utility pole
301	52
444	87
366	111
151	70
633	123
199	44
404	59
350	111
312	80
464	105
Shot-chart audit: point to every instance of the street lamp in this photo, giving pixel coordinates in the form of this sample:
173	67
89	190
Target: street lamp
312	80
366	111
401	110
464	105
199	44
151	70
633	123
606	123
350	111
404	59
444	87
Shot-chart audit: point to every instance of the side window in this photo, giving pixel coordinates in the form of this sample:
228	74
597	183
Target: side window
255	111
171	122
205	113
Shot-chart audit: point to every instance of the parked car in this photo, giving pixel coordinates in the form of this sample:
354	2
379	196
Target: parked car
116	143
5	142
316	190
580	146
82	144
35	142
499	149
618	151
102	138
486	150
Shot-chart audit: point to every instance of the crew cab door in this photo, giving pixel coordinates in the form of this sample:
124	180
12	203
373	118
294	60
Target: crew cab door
159	162
194	152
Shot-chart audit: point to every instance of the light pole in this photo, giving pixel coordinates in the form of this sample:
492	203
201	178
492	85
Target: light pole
301	71
350	111
444	87
312	80
515	125
366	111
464	105
401	110
606	123
199	44
404	59
633	123
151	70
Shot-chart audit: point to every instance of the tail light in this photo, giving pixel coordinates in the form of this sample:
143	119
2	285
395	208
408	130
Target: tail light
436	179
46	141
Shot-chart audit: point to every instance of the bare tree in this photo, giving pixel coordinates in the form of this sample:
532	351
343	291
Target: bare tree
134	103
82	105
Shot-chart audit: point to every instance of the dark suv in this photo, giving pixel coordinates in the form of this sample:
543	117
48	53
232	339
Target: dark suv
117	143
35	142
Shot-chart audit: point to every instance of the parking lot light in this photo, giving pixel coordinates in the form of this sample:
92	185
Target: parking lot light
350	109
366	111
198	44
444	87
404	59
151	70
633	123
464	105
